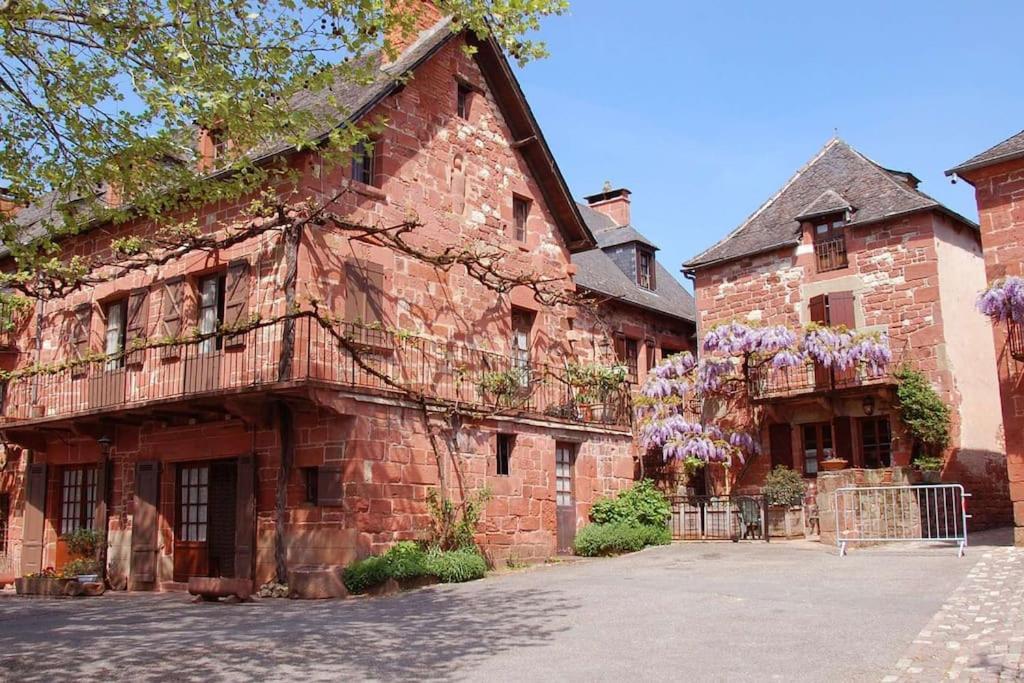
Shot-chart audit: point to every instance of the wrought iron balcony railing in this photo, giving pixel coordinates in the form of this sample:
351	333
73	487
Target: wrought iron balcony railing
1015	340
831	254
344	355
765	382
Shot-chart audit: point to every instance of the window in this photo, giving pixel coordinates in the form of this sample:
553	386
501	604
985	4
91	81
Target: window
310	483
876	441
117	333
503	454
522	326
830	245
77	498
464	101
817	445
627	351
211	312
218	144
520	216
193	511
652	359
645	269
365	161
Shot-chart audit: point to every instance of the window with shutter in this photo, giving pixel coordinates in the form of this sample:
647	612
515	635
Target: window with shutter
364	300
171	314
33	521
211	312
116	334
236	301
80	324
137	325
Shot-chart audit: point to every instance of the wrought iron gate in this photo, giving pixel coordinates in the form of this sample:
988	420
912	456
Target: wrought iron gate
732	518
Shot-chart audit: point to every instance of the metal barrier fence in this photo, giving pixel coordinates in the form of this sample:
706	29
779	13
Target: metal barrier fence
732	518
922	513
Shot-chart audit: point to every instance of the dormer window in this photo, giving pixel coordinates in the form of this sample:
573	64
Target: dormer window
645	268
830	243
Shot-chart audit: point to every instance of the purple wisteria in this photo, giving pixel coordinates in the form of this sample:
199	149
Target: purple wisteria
1004	300
666	417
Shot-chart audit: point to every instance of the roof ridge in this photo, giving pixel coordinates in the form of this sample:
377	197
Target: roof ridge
888	175
771	200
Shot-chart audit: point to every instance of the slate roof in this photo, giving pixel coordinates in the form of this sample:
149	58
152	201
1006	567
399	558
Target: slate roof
1011	148
874	193
333	106
596	271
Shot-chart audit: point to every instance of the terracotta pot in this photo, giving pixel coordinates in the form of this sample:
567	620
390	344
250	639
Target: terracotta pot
887	475
931	476
834	464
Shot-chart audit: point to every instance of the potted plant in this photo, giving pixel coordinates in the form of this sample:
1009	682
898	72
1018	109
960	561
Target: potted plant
595	387
502	385
832	462
930	468
784	491
83	545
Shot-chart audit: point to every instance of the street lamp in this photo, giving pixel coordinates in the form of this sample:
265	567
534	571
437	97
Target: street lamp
868	405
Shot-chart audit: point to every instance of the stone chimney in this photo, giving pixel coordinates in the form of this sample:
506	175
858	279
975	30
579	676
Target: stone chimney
613	203
419	16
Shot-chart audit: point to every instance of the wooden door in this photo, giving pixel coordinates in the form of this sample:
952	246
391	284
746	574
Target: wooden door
191	555
144	525
35	507
565	497
780	441
220	537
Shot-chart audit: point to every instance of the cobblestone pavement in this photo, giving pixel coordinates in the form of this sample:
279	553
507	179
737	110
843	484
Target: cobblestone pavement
978	633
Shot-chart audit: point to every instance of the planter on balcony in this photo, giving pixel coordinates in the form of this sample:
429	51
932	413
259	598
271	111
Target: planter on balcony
38	411
834	464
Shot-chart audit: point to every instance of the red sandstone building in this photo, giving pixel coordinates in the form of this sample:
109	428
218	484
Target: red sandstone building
178	450
997	175
849	242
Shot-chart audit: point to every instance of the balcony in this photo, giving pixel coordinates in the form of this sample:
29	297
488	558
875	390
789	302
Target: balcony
831	254
1015	340
766	383
145	381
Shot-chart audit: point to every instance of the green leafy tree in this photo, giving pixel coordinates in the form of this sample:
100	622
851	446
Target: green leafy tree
923	412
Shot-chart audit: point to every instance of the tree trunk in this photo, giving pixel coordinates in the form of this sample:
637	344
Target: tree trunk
292	237
286	433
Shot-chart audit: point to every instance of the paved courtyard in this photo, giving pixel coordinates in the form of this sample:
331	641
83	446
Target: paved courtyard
723	611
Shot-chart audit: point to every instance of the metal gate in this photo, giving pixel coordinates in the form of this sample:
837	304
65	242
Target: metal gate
706	518
922	513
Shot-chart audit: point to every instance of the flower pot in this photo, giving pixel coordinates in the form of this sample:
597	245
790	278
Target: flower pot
834	464
887	475
38	411
931	476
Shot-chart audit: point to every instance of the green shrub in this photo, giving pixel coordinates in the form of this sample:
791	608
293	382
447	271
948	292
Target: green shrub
456	566
453	525
596	540
364	574
642	504
784	486
406	560
80	566
923	411
83	542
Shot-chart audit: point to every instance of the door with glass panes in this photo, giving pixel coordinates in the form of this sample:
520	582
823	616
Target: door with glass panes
565	496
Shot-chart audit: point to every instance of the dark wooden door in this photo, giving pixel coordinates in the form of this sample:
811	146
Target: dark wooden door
35	507
222	511
780	440
144	524
565	497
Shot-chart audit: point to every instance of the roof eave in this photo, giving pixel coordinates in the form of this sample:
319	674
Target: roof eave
984	163
625	302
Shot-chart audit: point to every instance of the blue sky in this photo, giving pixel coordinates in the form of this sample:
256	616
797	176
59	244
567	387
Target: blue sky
705	109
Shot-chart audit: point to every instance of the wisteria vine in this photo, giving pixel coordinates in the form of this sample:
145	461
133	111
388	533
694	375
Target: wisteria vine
1004	300
666	419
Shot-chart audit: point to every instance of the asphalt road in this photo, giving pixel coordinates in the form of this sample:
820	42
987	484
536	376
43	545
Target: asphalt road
697	611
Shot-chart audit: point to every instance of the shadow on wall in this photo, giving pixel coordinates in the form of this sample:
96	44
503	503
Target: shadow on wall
983	474
430	633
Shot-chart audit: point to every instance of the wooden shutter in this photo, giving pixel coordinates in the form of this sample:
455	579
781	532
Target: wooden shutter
818	310
102	487
842	438
236	300
144	524
245	516
780	441
137	325
35	511
364	292
329	489
81	325
171	313
840	310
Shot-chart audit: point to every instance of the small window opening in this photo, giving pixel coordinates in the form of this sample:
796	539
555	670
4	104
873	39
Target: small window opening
504	454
